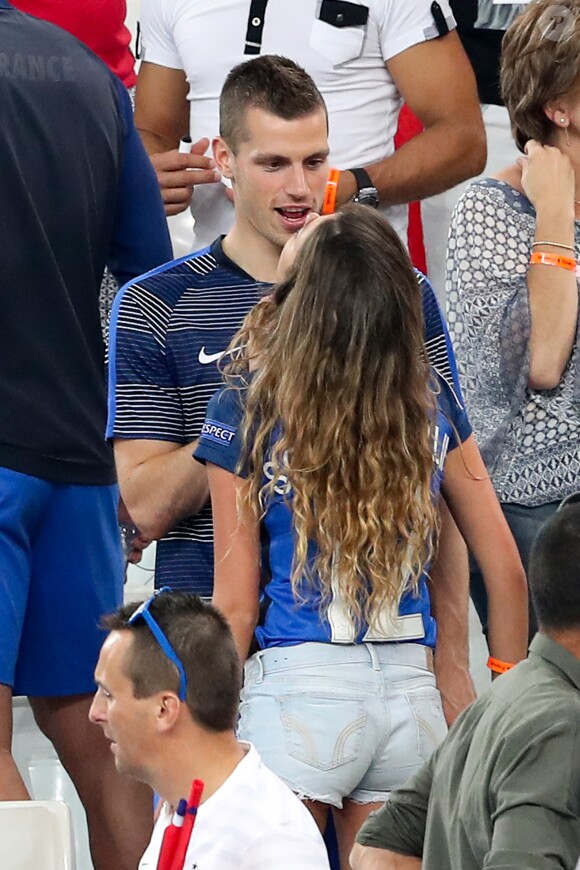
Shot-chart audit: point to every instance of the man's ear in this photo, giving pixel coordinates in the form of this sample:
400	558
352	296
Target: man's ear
224	157
167	712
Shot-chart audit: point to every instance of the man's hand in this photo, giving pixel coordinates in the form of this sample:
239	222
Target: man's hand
178	174
138	544
162	119
131	535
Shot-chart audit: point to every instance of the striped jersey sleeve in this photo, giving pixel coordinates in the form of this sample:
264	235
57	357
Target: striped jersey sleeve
144	400
220	441
437	341
168	331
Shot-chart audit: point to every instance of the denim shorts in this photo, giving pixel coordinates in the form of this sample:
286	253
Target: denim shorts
335	722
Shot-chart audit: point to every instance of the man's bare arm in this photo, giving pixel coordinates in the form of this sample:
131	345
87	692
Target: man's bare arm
369	858
161	107
436	81
162	118
450	606
160	482
393	837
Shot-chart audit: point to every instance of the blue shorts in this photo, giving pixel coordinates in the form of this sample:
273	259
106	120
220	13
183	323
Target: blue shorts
335	722
60	571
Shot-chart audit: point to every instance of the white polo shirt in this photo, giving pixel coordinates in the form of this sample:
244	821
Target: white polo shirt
346	62
252	822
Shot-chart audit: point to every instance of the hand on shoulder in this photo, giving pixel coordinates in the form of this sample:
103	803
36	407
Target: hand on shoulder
545	175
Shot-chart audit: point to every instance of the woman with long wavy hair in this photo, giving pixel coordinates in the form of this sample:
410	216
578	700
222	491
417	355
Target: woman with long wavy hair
325	454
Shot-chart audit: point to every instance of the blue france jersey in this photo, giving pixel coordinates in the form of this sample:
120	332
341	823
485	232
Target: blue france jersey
286	621
168	330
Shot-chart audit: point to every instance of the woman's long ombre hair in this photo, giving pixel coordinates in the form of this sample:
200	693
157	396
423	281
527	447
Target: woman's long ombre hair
340	406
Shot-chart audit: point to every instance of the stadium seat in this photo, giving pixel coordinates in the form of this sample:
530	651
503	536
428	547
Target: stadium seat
36	834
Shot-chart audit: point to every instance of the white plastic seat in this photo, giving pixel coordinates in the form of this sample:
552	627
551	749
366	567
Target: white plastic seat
36	835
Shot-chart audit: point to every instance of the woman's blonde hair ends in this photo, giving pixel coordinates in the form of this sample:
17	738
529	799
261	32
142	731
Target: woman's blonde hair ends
341	407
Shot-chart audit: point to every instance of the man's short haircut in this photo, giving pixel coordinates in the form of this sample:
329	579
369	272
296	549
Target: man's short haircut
540	63
275	84
202	640
554	573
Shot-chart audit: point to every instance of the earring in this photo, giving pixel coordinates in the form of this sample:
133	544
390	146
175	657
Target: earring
563	121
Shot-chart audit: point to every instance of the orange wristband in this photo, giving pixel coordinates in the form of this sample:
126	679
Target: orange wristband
546	259
497	666
329	200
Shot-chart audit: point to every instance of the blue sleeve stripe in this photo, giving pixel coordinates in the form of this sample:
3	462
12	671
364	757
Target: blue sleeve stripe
112	364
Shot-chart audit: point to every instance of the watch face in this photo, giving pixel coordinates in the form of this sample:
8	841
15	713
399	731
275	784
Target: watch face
368	196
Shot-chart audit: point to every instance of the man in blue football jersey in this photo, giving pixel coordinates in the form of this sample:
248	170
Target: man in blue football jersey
169	329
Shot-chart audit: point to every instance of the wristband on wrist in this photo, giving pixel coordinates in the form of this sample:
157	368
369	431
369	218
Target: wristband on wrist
330	191
545	259
555	245
497	666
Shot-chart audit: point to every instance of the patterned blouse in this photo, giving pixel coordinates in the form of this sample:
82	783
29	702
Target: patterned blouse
530	439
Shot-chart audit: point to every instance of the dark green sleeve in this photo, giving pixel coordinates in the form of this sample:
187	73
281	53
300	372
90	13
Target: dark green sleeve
536	817
400	825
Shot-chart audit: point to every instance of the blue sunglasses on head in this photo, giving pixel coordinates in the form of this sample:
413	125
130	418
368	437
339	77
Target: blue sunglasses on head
144	613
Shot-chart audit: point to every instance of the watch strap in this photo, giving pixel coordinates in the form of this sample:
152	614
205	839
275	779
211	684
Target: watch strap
362	178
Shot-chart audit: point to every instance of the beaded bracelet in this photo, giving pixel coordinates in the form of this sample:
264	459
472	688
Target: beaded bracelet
497	666
545	259
330	191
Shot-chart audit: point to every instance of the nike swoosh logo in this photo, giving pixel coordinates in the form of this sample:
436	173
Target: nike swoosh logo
207	358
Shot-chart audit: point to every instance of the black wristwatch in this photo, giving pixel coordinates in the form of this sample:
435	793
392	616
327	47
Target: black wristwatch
367	193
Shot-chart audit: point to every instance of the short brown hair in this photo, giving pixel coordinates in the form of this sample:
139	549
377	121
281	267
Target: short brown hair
274	84
203	642
540	63
554	572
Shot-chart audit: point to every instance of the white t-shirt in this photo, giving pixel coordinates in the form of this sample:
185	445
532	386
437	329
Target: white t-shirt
252	822
347	64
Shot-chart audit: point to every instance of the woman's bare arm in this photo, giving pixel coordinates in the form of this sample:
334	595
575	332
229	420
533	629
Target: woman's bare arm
475	508
237	557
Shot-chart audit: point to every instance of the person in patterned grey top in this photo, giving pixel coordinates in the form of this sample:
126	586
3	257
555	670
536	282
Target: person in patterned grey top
514	323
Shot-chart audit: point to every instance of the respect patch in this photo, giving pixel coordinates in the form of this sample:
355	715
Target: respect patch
219	433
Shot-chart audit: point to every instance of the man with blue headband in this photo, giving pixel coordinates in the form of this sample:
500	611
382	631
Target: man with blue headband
169	680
